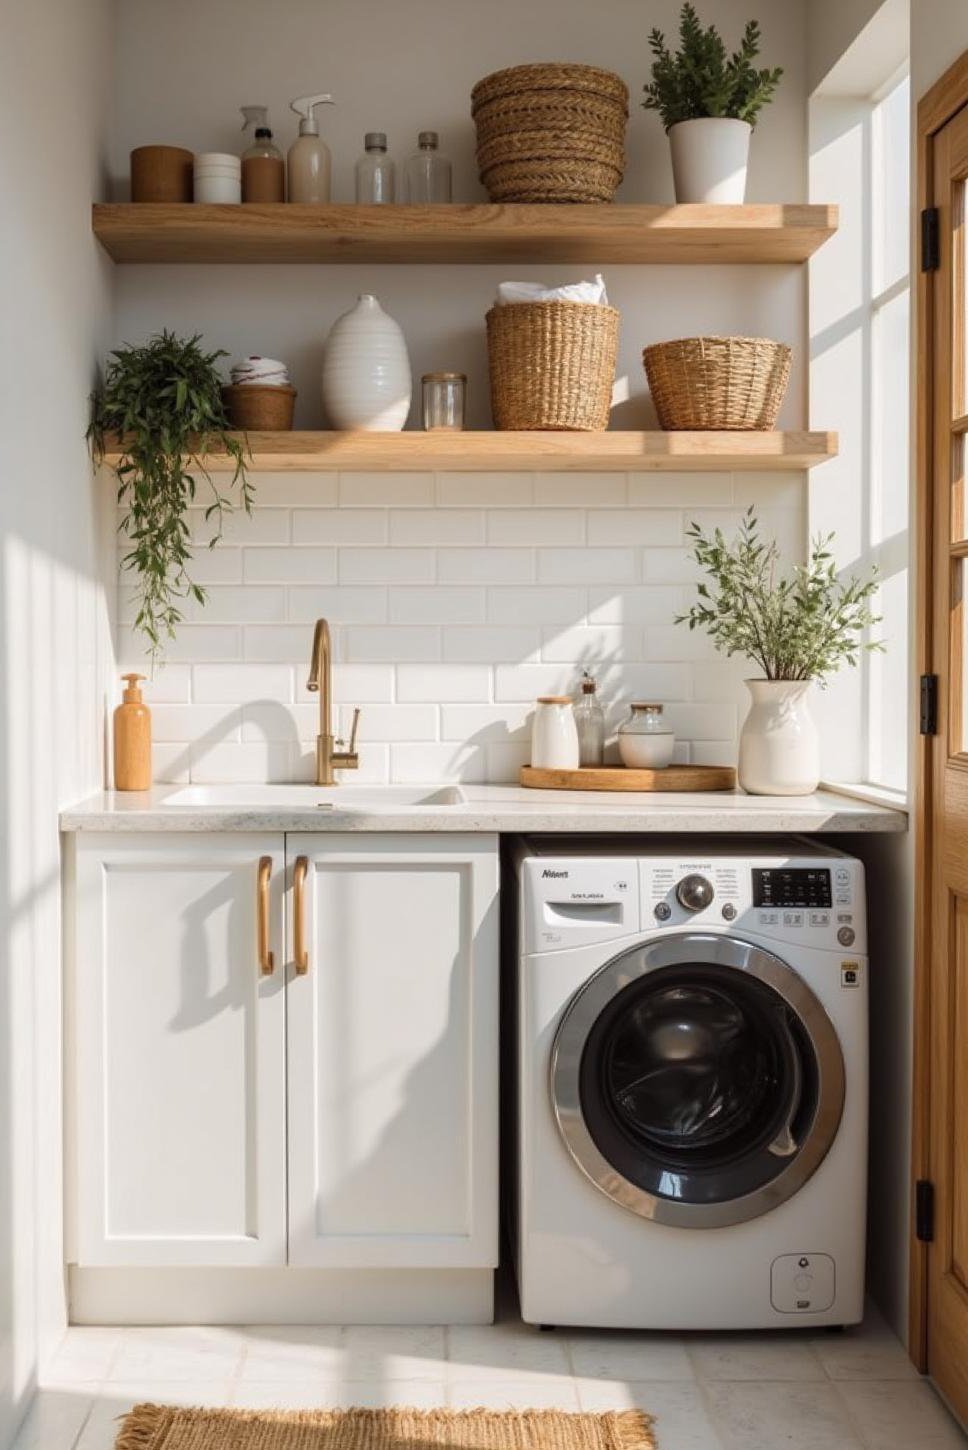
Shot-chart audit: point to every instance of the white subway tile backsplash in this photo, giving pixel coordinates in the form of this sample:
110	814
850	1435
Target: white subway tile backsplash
391	643
342	604
485	566
387	566
634	526
489	643
290	565
454	602
581	490
436	604
340	526
586	566
443	683
536	526
713	752
485	490
436	526
386	490
171	764
537	604
241	684
262	526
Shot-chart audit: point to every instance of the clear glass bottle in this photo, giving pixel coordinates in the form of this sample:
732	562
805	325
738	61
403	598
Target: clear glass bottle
443	401
590	723
376	174
426	175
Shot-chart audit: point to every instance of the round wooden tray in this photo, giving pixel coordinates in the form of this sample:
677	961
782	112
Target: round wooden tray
594	777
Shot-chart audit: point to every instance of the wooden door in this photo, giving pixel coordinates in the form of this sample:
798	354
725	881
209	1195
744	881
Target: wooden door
945	827
393	1051
176	1044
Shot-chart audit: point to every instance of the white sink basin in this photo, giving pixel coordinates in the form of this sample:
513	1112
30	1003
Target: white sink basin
307	797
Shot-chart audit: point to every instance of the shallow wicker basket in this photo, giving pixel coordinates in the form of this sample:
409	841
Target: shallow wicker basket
549	133
257	409
699	384
552	365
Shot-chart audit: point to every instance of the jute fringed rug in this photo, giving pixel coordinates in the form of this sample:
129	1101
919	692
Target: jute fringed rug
160	1427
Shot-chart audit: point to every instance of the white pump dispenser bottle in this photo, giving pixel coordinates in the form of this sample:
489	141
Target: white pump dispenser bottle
309	159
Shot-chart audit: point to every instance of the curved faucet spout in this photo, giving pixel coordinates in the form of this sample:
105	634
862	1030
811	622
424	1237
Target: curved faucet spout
320	680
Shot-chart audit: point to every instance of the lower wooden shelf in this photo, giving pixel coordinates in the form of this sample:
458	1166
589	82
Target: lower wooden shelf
618	452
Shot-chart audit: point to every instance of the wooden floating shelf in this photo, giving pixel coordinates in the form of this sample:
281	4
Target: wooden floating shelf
618	452
155	232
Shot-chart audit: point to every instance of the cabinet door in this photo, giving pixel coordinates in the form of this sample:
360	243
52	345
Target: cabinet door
393	1052
179	1051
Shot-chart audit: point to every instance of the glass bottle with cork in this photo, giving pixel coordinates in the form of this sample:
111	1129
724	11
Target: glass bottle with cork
263	164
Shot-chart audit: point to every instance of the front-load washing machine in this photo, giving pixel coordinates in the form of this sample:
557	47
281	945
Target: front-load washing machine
691	1085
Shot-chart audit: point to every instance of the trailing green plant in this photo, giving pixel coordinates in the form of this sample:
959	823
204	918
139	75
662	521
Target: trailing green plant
163	400
803	625
703	79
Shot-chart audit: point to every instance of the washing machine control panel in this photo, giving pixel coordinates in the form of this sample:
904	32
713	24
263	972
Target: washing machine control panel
577	902
818	902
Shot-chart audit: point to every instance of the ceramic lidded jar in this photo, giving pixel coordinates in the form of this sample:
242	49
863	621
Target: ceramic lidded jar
366	371
779	749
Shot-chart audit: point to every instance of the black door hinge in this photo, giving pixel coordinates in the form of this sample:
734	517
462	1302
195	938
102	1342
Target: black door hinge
924	1211
928	724
930	239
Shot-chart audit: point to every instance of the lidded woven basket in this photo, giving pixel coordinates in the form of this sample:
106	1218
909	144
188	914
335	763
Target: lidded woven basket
549	133
700	384
552	365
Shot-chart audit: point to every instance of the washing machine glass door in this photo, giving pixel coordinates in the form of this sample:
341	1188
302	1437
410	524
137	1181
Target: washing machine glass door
697	1080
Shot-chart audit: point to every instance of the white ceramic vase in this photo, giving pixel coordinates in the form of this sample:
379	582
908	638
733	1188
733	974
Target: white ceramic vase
366	371
709	159
779	751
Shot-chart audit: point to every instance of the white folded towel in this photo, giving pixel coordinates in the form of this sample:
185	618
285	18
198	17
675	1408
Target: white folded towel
593	291
264	372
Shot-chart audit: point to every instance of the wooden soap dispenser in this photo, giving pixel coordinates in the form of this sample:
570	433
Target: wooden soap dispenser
132	739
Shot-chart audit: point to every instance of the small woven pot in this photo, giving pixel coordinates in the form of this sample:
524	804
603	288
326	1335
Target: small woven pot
552	365
255	409
701	384
551	133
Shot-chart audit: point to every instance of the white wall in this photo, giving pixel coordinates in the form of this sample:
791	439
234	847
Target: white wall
55	303
385	563
939	34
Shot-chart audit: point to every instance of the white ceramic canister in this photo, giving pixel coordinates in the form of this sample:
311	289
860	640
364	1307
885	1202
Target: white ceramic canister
709	159
779	750
366	371
644	740
554	735
218	177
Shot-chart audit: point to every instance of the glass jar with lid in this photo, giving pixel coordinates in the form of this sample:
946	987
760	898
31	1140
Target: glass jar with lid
644	739
443	401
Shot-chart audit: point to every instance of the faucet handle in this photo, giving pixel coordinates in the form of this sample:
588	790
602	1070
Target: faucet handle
355	727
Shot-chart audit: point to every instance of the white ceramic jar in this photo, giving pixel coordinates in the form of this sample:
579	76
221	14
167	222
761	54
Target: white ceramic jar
779	750
554	735
366	371
217	177
709	159
644	740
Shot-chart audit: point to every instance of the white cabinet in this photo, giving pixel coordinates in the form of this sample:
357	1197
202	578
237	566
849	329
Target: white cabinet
393	1031
185	1055
178	1051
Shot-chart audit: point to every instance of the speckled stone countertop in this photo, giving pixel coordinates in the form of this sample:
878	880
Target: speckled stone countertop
484	808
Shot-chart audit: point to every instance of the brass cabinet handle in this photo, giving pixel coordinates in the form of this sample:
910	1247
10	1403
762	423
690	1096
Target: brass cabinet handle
267	961
300	950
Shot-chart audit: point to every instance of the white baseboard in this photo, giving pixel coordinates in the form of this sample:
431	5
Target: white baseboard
281	1296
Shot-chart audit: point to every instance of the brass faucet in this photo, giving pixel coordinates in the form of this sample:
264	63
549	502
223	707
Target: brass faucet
328	759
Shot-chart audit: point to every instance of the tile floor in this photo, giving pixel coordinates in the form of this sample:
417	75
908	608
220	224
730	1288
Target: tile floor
850	1391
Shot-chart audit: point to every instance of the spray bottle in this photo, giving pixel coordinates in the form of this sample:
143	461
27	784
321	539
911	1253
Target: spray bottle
263	167
309	159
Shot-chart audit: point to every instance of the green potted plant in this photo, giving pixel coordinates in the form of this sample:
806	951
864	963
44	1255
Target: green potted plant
798	628
709	101
161	404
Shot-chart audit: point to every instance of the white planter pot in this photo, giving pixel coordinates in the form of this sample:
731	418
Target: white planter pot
366	371
779	751
709	158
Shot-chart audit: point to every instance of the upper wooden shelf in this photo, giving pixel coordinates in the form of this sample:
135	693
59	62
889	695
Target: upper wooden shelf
618	452
149	232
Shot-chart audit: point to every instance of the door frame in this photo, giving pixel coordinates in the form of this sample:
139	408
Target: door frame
936	108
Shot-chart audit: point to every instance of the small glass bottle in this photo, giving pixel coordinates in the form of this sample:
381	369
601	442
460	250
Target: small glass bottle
426	175
590	723
375	172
